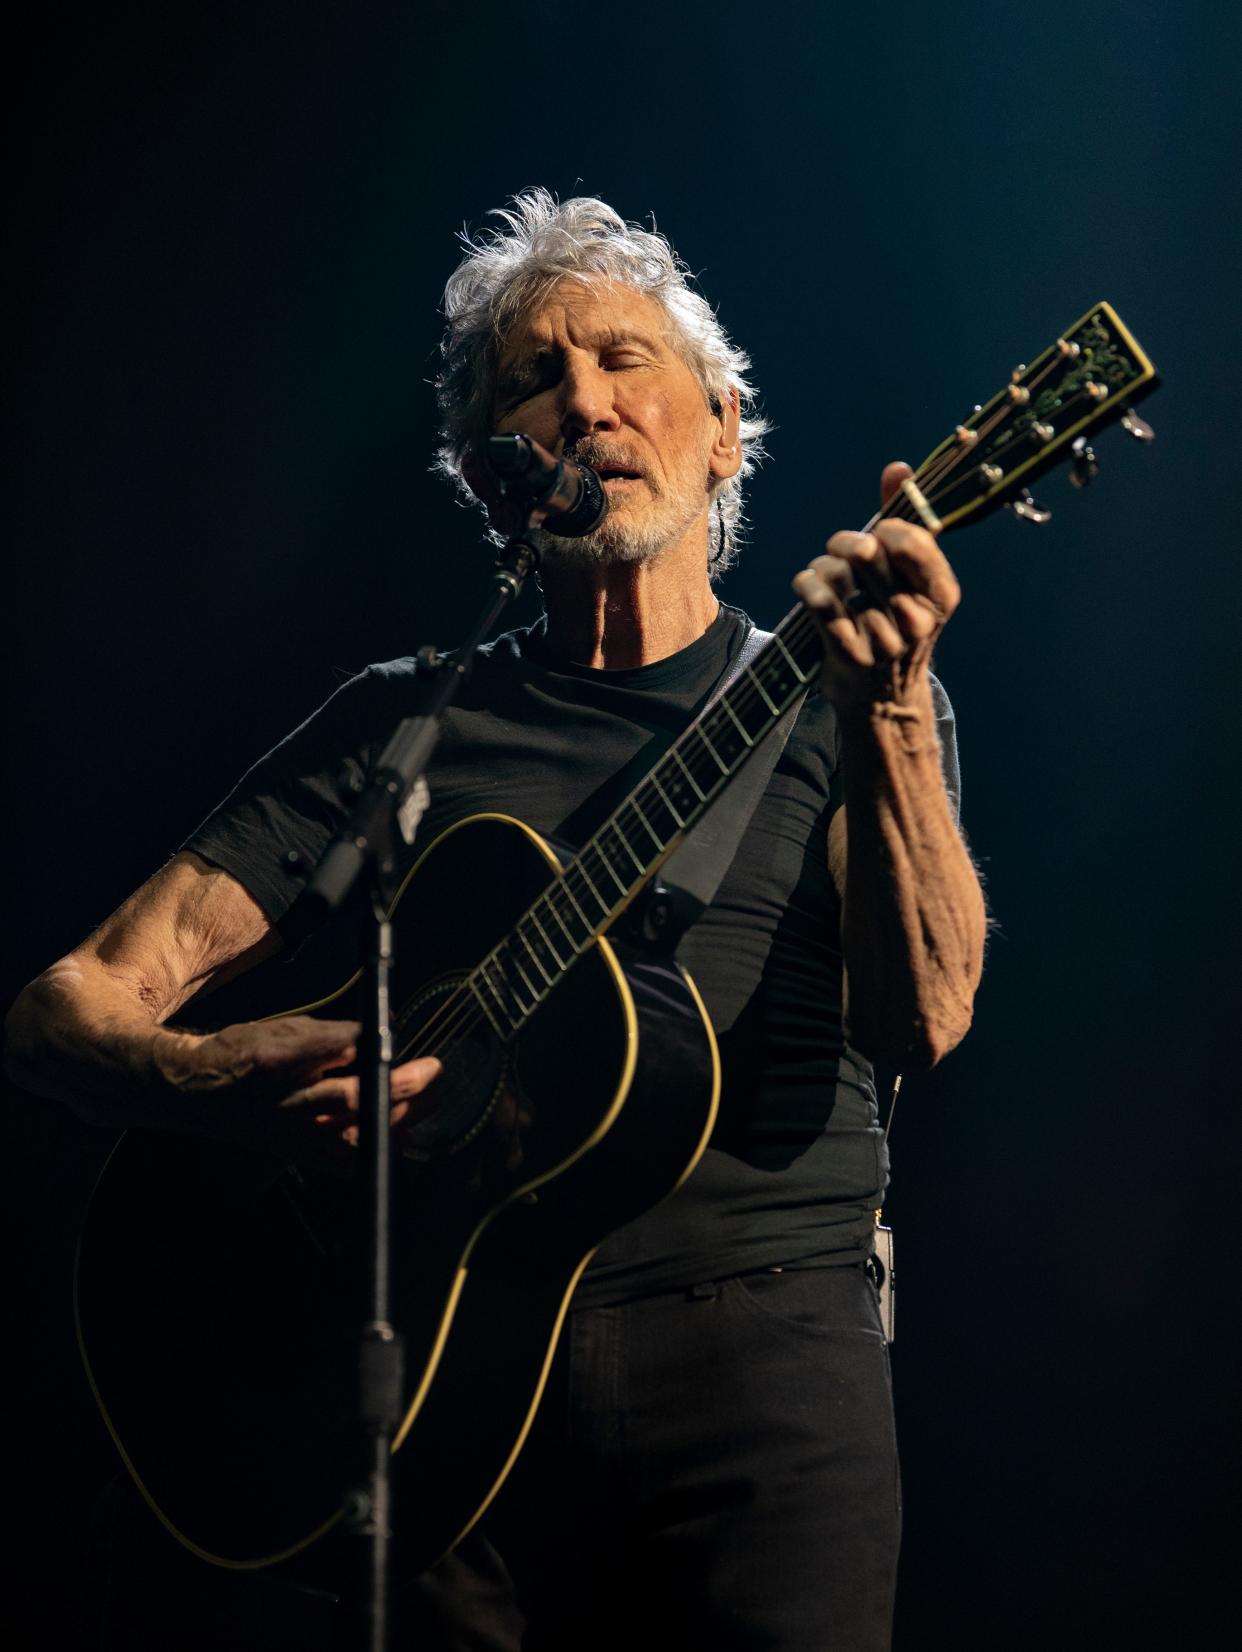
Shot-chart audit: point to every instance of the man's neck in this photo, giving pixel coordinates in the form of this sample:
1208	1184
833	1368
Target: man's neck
620	615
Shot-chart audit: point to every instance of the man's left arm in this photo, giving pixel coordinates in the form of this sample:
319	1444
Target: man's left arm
913	918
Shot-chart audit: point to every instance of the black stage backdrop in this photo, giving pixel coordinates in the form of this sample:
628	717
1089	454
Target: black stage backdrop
229	230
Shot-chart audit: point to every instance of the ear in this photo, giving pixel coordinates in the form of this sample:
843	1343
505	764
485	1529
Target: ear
726	455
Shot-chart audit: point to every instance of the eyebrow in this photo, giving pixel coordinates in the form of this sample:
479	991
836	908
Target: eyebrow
522	364
631	336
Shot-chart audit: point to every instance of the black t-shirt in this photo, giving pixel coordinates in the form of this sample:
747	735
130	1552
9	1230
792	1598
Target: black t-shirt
796	1165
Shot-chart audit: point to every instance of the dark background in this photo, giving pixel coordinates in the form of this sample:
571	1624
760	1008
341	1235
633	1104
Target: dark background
229	229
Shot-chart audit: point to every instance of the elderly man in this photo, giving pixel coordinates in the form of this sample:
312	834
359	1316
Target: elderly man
715	1464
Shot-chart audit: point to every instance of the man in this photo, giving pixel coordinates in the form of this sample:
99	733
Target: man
714	1465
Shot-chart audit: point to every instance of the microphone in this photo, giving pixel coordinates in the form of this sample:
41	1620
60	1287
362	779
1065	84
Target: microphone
560	495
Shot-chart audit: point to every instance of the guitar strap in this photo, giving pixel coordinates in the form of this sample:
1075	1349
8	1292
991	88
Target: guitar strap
694	871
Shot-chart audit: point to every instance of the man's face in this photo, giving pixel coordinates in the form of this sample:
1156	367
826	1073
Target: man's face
592	374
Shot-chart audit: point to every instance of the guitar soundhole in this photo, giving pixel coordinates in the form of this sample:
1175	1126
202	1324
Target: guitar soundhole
475	1074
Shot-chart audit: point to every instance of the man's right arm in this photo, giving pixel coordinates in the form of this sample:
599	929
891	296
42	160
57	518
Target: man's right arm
90	1031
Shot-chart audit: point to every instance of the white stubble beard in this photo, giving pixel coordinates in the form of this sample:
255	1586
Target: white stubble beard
627	536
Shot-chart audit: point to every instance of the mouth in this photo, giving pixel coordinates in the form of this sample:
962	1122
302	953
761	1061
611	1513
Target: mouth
617	474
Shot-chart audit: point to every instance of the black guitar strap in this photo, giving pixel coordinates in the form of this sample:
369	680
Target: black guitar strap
693	872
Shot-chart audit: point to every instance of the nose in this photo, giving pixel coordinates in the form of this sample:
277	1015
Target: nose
586	400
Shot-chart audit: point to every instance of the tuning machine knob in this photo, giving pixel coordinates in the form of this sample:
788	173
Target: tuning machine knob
1085	467
1136	427
1025	507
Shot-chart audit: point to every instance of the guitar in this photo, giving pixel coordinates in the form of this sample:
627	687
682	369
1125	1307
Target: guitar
212	1286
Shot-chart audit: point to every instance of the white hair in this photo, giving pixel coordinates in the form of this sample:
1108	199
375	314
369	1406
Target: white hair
508	272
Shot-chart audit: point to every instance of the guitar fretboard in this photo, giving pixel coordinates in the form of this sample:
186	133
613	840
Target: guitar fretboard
641	833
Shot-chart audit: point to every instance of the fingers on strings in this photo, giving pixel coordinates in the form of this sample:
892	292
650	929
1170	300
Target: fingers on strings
867	635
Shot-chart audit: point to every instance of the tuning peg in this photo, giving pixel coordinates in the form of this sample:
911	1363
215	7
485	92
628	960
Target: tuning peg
1085	466
1025	507
1136	427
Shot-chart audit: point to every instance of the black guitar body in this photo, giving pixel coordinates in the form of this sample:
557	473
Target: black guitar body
218	1290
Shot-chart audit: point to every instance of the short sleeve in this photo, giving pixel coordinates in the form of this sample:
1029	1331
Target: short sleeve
946	733
278	819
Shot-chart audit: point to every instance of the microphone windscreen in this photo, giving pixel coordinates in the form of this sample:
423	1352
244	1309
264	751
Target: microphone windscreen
586	514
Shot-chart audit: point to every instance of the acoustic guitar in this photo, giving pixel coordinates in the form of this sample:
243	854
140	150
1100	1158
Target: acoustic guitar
213	1285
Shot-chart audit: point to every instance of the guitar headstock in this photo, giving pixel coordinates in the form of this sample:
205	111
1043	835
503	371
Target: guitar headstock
1091	375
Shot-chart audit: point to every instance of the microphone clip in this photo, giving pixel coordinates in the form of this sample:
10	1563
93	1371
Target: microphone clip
517	561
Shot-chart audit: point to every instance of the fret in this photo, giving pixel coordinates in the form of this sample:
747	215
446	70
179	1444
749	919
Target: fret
629	847
482	1003
597	845
526	982
544	937
701	731
802	676
659	817
491	986
604	907
752	712
666	800
573	901
771	704
526	942
702	765
633	803
549	975
502	951
493	964
678	790
783	682
567	932
702	795
737	720
806	641
719	727
549	902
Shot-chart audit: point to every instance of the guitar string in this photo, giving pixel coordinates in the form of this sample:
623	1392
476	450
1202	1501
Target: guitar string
461	1012
934	472
963	453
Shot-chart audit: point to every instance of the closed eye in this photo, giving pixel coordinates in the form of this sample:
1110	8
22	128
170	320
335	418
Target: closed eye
528	380
513	395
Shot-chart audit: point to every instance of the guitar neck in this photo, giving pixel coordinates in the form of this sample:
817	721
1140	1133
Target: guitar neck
642	832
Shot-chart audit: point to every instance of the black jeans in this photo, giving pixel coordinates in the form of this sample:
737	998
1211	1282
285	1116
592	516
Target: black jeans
712	1470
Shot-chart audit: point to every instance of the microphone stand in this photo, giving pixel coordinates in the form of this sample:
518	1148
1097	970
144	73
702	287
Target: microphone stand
364	853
